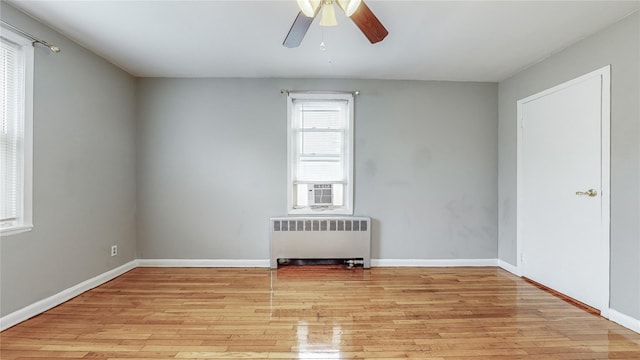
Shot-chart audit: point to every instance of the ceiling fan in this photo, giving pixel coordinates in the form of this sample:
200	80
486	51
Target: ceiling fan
357	10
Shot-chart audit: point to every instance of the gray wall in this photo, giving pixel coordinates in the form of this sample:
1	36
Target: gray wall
84	173
619	46
212	155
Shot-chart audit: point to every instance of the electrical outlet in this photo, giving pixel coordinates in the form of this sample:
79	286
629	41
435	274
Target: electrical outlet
114	250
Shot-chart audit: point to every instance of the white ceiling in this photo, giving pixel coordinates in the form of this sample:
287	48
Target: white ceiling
428	40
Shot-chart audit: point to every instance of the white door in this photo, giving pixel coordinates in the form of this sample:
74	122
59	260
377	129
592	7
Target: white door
563	211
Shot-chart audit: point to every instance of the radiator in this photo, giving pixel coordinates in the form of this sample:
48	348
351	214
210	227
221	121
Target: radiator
321	238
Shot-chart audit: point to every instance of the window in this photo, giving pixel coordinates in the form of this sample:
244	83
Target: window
320	152
16	80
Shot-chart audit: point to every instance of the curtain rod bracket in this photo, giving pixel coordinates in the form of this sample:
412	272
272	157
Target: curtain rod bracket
51	47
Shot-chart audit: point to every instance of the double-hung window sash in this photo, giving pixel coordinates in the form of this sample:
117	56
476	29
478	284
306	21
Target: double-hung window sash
320	133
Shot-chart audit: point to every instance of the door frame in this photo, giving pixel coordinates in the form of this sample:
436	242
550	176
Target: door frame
605	152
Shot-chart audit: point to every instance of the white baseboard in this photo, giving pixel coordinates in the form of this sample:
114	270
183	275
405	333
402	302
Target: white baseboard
624	320
433	262
265	262
508	267
43	305
259	263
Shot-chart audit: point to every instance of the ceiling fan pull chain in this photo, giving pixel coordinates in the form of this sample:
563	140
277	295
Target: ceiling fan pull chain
323	47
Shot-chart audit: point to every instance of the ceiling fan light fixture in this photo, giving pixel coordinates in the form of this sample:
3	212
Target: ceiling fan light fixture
308	7
328	14
357	11
350	6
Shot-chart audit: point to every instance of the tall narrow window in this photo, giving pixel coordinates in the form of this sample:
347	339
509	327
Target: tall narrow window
320	151
16	80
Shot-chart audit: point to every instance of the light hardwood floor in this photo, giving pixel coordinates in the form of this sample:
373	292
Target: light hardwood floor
318	313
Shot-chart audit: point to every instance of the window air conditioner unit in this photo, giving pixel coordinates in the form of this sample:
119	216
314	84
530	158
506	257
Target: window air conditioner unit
320	195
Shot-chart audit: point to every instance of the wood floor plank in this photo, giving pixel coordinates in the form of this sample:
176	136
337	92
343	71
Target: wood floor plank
318	313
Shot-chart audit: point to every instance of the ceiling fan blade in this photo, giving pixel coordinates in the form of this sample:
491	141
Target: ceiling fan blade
369	24
298	30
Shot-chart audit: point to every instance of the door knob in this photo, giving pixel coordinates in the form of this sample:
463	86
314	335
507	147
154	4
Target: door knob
590	192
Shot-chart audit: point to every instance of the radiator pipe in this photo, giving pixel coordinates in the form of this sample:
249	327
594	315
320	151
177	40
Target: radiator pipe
353	262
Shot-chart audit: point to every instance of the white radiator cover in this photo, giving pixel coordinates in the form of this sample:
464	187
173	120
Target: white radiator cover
344	237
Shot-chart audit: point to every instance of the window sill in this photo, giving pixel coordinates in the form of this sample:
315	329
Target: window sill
16	230
308	211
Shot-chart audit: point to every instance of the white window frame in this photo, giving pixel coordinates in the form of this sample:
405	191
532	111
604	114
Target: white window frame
24	221
292	143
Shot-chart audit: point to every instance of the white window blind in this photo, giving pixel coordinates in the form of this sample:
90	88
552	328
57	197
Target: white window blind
320	128
320	153
15	132
10	80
